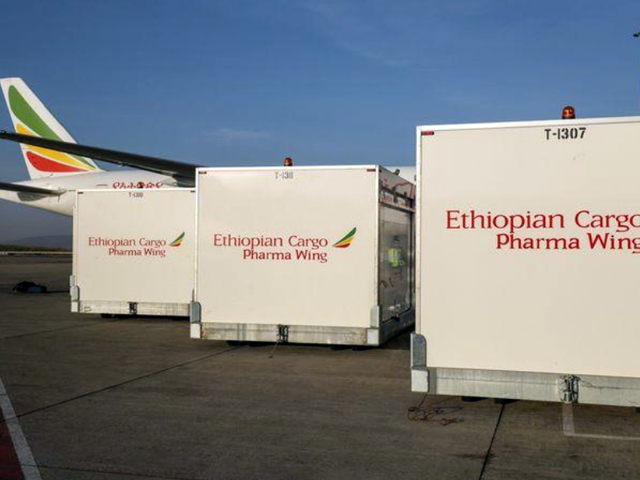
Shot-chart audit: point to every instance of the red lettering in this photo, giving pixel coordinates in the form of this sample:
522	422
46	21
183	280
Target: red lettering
577	219
503	239
451	219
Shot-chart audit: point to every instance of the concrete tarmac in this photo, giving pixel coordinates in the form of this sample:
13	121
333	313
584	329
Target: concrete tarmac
136	398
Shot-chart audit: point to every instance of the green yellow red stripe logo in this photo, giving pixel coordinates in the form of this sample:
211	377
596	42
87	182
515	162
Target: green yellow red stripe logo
32	124
345	241
178	241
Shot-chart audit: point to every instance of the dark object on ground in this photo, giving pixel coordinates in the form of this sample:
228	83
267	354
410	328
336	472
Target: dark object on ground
29	287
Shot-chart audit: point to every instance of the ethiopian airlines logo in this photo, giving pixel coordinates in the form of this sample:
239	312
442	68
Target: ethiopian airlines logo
290	247
178	241
345	241
29	122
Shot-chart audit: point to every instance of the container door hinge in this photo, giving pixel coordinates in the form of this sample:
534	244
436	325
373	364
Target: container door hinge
133	308
282	334
569	389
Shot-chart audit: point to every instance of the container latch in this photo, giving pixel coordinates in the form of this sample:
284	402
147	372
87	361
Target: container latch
569	389
283	334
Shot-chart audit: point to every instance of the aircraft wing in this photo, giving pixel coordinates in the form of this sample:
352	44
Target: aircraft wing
184	173
16	187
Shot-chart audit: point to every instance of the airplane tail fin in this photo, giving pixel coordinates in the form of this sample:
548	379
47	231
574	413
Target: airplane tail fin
31	117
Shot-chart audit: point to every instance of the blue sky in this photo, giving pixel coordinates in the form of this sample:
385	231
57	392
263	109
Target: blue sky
326	82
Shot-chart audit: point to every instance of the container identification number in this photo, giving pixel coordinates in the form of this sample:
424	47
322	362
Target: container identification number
565	133
284	175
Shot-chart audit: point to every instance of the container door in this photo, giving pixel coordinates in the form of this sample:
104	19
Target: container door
135	246
529	243
292	247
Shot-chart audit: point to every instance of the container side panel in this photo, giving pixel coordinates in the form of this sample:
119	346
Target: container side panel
287	247
528	242
395	285
135	246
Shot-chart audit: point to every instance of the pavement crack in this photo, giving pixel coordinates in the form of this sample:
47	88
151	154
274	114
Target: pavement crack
120	384
70	327
111	472
487	456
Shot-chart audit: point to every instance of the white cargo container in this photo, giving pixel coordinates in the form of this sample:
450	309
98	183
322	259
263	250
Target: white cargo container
133	251
303	255
527	273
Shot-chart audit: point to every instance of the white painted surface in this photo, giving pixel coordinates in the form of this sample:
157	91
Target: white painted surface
288	204
20	444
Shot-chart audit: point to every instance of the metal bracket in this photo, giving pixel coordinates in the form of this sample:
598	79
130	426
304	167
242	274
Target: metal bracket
195	312
133	308
195	319
418	351
569	389
75	299
283	334
373	336
74	291
375	316
419	372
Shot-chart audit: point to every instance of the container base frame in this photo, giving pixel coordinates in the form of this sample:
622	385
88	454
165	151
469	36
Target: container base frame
549	387
125	308
309	334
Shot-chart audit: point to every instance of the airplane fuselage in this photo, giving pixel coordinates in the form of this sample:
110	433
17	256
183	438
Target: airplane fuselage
63	203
